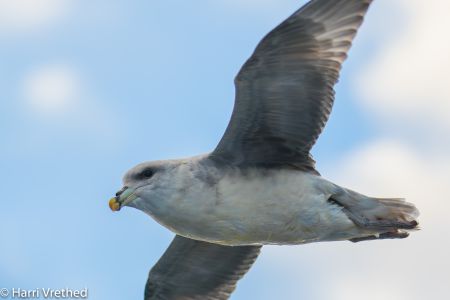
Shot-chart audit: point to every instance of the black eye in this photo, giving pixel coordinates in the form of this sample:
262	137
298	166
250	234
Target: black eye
147	173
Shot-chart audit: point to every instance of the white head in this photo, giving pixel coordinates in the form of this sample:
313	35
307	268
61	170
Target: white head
147	186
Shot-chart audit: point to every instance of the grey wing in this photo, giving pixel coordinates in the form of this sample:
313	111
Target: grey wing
191	269
284	92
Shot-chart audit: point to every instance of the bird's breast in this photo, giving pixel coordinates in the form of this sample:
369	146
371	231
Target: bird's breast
284	207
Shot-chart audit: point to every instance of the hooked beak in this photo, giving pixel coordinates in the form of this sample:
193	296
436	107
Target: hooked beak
122	198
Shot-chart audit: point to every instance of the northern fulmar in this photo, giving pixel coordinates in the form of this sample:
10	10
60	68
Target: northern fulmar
259	186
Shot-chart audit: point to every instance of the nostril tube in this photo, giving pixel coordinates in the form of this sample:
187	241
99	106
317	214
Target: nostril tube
121	191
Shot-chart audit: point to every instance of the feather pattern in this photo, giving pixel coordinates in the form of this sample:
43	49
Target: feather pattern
191	270
284	92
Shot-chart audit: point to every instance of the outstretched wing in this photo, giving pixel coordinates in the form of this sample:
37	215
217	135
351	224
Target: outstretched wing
284	92
191	269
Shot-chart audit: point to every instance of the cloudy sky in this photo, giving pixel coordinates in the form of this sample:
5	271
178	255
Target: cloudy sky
90	88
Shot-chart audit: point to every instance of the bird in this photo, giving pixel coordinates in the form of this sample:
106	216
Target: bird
260	186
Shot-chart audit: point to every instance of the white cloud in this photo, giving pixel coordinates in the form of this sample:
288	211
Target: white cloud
410	78
29	15
58	99
52	89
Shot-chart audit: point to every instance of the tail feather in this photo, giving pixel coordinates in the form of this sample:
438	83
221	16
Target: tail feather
379	214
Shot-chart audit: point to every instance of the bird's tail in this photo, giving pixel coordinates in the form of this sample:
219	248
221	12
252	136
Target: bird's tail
386	217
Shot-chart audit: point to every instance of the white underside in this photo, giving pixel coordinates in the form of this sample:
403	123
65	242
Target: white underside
279	207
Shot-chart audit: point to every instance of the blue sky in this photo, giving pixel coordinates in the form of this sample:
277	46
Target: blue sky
90	88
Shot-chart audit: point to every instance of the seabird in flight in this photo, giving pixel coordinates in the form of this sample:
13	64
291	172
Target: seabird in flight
260	186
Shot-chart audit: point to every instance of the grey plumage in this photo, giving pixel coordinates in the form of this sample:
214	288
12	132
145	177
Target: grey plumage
193	270
284	92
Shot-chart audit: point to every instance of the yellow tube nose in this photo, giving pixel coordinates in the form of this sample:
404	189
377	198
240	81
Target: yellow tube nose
114	204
